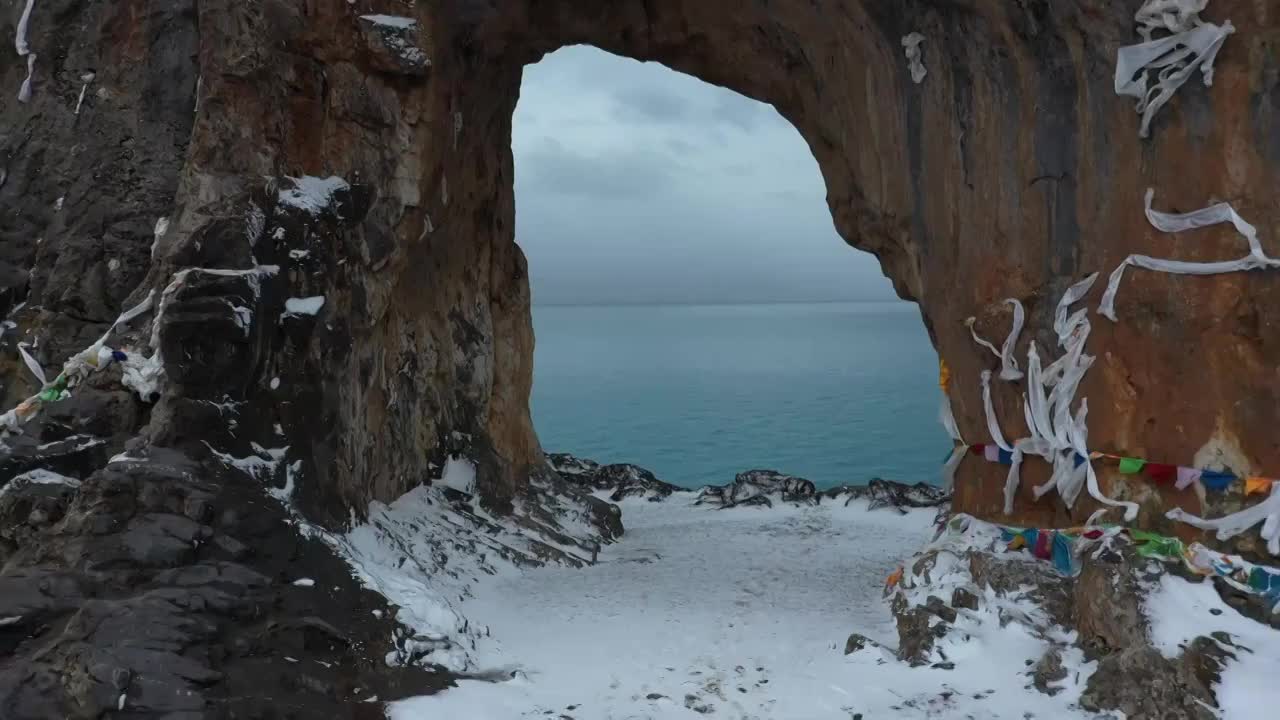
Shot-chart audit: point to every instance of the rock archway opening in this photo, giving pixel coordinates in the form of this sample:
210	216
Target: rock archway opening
695	310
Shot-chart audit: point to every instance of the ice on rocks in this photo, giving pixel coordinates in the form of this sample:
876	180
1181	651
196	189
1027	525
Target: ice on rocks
311	194
295	307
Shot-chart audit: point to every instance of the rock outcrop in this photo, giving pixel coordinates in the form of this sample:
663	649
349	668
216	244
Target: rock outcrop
620	480
760	487
890	494
753	488
314	200
1105	607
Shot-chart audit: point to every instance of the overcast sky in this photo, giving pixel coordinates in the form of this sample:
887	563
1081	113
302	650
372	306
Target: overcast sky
636	184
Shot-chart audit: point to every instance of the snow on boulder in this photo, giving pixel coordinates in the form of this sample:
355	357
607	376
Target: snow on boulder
297	307
621	480
459	474
760	487
312	194
890	494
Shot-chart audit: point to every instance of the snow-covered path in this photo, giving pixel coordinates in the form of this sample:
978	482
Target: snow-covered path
742	613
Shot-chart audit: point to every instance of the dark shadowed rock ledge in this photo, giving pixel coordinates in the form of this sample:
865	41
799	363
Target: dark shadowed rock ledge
753	488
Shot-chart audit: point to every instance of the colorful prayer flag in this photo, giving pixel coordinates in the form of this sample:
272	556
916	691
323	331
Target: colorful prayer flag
991	453
1214	480
1187	477
1131	466
1255	485
1160	472
1005	457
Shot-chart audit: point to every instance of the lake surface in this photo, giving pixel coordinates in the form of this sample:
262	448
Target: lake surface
834	392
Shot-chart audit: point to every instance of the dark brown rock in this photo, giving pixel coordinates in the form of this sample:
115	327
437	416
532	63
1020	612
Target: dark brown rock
961	598
856	642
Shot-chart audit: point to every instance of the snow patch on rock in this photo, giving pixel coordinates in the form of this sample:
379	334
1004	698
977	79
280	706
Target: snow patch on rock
296	307
312	194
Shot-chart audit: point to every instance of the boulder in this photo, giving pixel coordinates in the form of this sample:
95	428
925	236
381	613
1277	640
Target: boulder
760	487
882	493
620	480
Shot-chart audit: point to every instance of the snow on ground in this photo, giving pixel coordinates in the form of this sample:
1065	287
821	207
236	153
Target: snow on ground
738	613
1180	610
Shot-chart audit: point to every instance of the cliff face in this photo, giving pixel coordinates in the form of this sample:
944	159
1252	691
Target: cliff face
283	151
1011	171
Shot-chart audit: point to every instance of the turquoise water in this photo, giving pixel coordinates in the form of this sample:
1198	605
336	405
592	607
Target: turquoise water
834	392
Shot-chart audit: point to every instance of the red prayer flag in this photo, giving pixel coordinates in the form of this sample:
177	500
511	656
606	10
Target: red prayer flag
1161	473
978	448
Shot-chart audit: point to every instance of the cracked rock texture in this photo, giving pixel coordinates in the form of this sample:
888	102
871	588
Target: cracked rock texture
291	149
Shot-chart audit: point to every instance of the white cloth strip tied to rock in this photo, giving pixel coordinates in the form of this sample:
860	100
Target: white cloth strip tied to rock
1266	512
32	365
1171	223
993	425
1055	433
74	371
912	47
1193	44
953	462
1008	362
24	50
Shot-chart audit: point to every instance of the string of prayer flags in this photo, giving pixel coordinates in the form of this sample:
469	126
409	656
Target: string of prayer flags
1055	546
1160	473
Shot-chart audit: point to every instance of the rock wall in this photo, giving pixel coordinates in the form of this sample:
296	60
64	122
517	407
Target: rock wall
224	158
1011	170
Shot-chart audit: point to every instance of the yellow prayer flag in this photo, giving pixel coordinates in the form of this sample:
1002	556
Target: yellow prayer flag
1254	485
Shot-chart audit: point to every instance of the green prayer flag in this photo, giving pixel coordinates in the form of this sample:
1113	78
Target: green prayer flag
1153	545
1129	466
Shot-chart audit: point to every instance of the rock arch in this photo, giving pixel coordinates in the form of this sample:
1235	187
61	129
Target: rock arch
1010	170
223	158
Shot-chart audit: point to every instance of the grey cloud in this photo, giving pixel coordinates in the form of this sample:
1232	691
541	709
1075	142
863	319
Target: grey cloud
637	184
738	111
650	103
550	167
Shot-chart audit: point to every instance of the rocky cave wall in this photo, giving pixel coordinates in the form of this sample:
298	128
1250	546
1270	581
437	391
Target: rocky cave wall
1012	170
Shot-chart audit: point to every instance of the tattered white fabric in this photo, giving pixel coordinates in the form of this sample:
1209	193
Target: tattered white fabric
993	426
74	371
949	467
1079	442
978	338
20	37
24	92
912	47
948	419
1193	44
1055	434
86	79
1266	512
32	365
1008	362
1172	15
1063	325
1167	222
